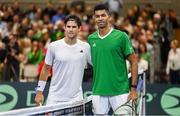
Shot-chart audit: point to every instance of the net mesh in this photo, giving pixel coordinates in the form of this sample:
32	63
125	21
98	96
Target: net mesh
83	107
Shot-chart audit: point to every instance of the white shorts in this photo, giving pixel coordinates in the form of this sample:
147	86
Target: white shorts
102	104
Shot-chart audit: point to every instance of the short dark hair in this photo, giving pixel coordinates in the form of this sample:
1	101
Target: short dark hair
101	6
73	18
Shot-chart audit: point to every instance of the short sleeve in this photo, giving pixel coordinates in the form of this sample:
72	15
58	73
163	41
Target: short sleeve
49	55
89	55
126	45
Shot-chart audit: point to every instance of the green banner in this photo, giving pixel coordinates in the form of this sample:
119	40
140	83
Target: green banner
21	95
163	99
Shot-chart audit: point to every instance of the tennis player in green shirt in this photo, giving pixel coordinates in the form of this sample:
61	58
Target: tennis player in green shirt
109	49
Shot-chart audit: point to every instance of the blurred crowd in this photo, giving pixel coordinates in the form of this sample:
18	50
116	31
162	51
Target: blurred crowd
25	35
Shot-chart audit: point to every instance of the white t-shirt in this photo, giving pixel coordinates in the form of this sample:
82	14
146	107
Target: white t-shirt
68	63
173	60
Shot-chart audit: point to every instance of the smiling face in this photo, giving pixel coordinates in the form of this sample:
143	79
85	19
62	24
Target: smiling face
71	29
102	18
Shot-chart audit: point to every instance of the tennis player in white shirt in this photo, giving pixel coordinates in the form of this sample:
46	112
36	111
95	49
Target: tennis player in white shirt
68	58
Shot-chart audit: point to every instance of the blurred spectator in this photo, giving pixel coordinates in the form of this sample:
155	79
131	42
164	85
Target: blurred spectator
30	34
16	23
25	26
37	32
31	11
8	14
150	10
173	18
25	45
142	38
136	12
50	10
16	7
115	6
35	56
142	64
59	16
13	59
131	16
143	53
51	30
2	51
3	27
38	16
173	64
46	19
46	38
78	4
149	28
58	30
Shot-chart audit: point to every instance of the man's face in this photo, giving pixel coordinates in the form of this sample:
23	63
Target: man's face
102	18
71	29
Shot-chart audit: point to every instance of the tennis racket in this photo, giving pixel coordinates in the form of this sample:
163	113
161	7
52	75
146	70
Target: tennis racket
127	109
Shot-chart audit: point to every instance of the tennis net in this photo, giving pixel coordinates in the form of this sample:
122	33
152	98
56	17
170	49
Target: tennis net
83	107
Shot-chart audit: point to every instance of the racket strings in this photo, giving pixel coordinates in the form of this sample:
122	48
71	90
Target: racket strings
129	108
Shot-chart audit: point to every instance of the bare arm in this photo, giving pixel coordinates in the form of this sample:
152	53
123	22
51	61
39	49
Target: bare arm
45	72
134	73
43	77
89	56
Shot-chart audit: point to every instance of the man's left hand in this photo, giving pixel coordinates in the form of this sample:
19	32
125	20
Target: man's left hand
133	95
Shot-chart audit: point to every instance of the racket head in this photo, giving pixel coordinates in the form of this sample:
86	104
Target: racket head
127	109
124	110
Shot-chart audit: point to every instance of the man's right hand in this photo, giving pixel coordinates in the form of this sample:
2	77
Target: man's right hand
39	98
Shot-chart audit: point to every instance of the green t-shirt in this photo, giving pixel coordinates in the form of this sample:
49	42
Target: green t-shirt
110	76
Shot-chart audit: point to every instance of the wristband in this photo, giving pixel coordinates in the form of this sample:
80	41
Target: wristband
41	85
134	86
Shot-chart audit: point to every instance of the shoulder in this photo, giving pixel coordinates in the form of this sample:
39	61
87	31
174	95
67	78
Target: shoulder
178	50
119	33
57	42
82	43
93	35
